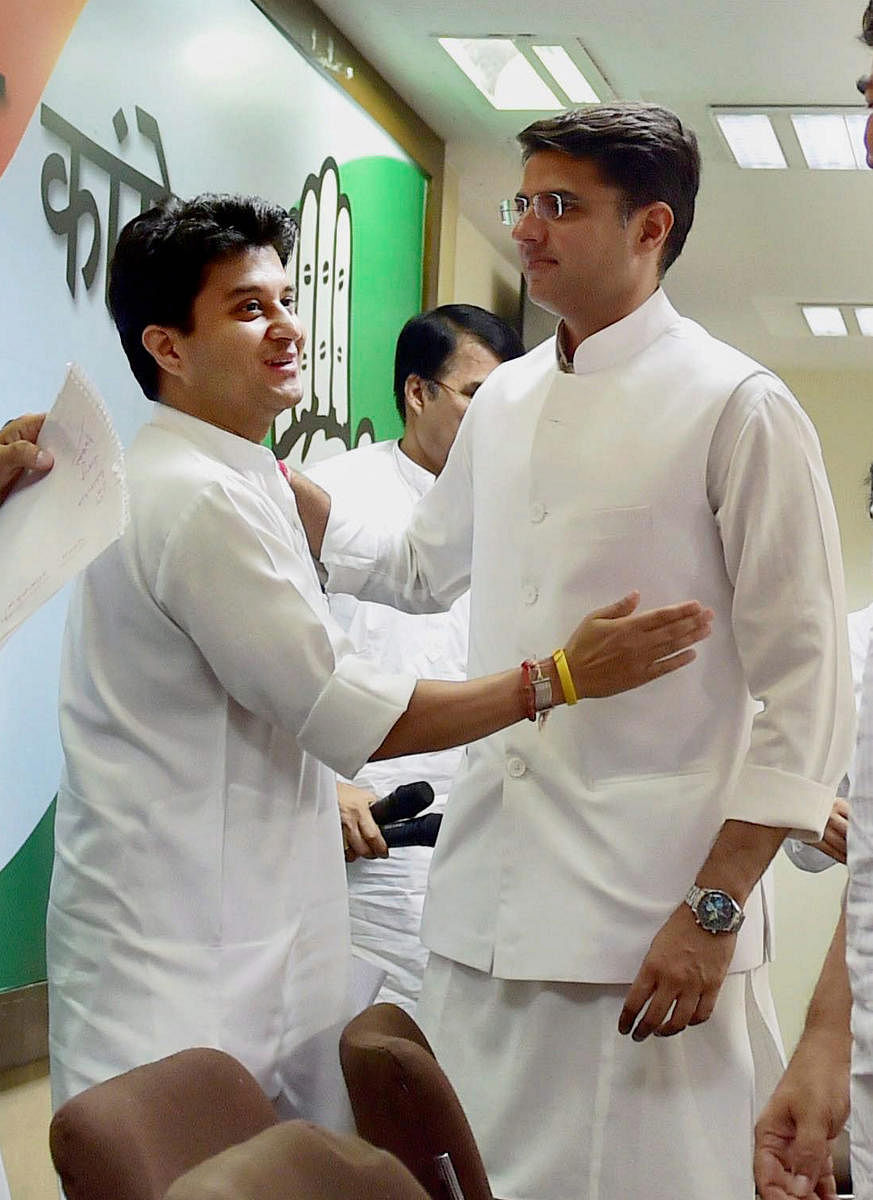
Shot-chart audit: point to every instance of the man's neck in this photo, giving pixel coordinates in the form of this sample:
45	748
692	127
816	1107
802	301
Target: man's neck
186	402
578	326
412	449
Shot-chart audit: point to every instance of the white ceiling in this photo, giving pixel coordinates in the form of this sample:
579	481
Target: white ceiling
763	241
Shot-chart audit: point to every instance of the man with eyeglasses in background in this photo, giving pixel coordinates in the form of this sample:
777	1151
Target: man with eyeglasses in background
441	359
592	877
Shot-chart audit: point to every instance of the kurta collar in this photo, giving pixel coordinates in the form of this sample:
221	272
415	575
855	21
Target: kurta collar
228	448
617	343
417	477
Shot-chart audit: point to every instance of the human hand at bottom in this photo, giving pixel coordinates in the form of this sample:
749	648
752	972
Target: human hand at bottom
361	835
807	1110
679	980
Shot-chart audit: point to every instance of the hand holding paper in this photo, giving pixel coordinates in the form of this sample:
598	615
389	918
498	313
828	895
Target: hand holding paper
50	532
19	450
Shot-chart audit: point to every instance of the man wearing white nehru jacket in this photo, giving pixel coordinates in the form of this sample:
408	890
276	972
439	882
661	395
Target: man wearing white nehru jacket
592	877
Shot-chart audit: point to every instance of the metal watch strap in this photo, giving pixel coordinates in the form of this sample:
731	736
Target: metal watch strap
693	897
542	688
539	689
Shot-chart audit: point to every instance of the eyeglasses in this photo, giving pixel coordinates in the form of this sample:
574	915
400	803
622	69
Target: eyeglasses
439	383
547	206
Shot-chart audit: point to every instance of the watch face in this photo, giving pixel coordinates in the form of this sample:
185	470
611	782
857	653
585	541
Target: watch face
715	911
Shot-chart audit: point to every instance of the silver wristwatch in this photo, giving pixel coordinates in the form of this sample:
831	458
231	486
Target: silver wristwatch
714	910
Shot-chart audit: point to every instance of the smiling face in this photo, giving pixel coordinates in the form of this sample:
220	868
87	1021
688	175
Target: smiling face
593	265
238	367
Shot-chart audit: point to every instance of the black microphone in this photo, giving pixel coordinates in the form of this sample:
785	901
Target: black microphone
414	831
405	801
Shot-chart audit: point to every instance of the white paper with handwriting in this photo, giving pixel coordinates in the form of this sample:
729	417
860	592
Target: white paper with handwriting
53	525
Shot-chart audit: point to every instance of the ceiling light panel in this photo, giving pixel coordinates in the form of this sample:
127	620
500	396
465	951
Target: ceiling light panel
501	73
864	317
824	320
856	123
566	74
752	140
825	141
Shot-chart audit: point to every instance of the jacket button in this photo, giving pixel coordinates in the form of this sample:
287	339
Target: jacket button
530	593
516	767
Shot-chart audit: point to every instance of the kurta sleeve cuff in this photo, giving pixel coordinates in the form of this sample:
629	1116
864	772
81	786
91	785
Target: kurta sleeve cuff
766	796
353	714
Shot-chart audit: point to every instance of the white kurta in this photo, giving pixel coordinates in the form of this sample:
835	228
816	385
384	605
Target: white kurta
560	494
198	894
671	464
386	895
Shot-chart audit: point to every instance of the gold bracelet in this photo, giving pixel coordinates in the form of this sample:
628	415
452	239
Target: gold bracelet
560	660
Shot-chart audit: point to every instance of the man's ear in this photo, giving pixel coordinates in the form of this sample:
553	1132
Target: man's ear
161	343
655	225
414	393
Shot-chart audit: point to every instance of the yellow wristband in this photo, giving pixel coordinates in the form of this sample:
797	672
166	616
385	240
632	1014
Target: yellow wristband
560	660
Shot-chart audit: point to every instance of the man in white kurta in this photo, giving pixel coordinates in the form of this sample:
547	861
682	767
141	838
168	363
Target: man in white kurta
441	359
637	452
198	894
386	895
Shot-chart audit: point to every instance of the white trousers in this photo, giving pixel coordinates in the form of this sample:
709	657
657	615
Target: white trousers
564	1108
386	896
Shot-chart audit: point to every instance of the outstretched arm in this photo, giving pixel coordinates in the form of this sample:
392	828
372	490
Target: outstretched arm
613	650
811	1103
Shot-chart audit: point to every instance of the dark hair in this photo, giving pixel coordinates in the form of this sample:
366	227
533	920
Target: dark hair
867	25
642	149
428	341
162	258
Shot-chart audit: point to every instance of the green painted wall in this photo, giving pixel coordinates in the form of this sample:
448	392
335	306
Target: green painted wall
387	198
24	884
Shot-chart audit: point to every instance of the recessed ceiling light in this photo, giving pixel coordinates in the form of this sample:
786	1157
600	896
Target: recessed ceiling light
824	320
566	74
825	141
501	73
856	123
752	140
864	317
